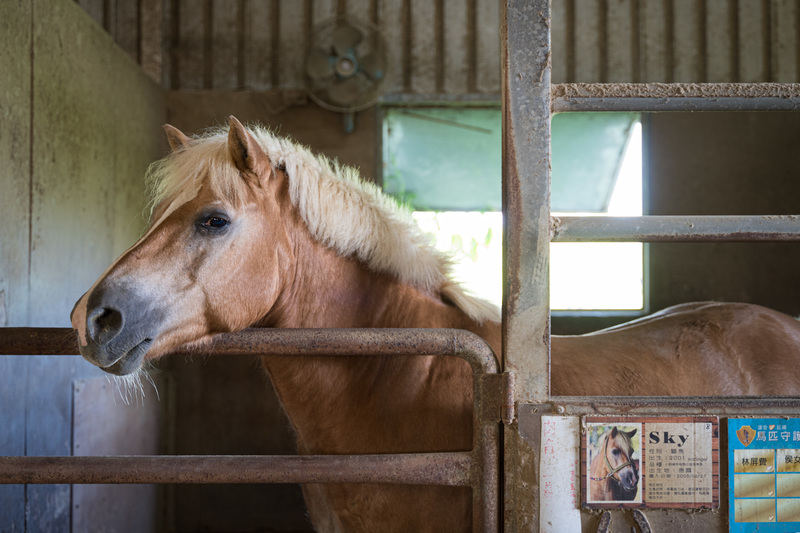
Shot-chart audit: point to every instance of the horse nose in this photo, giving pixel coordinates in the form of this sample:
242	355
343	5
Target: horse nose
104	324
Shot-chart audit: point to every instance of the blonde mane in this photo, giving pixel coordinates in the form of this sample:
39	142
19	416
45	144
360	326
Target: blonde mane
342	210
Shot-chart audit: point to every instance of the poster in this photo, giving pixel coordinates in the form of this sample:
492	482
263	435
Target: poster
764	474
650	462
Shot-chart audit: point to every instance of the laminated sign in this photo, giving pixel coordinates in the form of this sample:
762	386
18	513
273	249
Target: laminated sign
655	462
764	474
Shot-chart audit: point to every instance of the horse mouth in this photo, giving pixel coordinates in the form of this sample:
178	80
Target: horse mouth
629	482
131	361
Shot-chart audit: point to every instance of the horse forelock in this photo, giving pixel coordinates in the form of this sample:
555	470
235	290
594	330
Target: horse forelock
340	209
624	442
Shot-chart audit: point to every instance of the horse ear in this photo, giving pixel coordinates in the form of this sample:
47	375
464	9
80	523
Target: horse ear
631	433
247	154
614	432
177	139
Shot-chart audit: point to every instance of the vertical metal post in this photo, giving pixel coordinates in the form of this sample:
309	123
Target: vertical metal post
525	34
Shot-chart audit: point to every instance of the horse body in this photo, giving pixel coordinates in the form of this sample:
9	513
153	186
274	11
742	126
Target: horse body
696	349
249	230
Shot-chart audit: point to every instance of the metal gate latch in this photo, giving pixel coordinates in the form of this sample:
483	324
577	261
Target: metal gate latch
497	397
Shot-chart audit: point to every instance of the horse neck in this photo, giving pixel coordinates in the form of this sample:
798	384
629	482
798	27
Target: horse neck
598	467
326	290
357	405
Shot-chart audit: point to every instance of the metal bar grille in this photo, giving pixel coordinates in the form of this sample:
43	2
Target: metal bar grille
477	468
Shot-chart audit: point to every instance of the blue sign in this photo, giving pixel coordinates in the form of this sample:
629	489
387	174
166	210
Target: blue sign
764	474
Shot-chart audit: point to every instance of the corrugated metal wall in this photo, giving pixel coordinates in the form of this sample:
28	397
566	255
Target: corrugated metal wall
452	47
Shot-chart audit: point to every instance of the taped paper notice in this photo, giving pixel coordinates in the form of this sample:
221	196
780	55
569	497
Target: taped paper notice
558	489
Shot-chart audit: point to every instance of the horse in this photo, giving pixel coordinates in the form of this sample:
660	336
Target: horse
613	475
248	229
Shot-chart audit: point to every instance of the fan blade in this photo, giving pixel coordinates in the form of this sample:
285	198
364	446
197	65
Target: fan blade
373	65
319	65
345	38
345	93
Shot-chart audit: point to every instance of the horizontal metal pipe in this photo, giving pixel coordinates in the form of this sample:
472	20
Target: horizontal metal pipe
675	229
761	406
656	97
275	341
452	468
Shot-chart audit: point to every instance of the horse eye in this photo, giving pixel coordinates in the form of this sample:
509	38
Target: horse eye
615	451
214	222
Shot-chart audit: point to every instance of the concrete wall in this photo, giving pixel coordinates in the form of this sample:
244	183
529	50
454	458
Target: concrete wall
79	123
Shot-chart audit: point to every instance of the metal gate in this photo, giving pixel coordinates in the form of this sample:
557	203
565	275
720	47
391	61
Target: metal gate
477	468
529	100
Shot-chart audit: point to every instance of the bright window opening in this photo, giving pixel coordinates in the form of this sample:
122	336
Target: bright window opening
445	163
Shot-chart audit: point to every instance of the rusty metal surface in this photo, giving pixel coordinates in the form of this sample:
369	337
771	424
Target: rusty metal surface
526	56
658	97
667	406
38	341
676	228
420	469
478	468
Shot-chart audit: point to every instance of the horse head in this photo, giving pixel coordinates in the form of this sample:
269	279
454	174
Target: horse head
178	284
617	453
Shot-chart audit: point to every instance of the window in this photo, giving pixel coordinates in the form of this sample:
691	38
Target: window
445	163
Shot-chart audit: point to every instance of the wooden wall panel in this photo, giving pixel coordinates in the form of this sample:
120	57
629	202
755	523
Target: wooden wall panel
722	41
560	38
291	44
189	45
392	20
589	21
458	47
784	23
622	25
452	47
258	42
226	44
655	33
487	35
424	47
688	41
753	42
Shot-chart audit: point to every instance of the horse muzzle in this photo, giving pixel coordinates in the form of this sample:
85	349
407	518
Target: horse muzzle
116	328
628	478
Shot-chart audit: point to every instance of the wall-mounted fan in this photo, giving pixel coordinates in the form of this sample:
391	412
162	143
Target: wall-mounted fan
345	67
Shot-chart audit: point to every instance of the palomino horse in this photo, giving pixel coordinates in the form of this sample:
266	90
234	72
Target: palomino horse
248	229
613	475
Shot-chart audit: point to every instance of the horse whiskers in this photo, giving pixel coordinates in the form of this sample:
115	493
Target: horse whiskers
130	386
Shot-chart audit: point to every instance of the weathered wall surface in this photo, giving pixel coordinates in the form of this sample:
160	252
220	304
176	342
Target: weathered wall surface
452	47
79	123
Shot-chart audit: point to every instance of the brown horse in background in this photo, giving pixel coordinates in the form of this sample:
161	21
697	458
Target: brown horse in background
613	473
251	230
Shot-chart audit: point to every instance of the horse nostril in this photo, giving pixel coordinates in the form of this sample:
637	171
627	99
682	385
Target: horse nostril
104	324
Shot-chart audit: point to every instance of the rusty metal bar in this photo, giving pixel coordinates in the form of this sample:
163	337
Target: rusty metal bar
660	97
478	468
676	229
452	469
525	93
666	405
